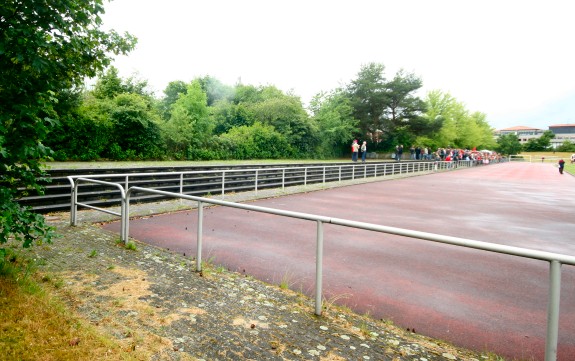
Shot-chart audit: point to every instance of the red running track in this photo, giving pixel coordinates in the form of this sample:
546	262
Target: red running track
475	299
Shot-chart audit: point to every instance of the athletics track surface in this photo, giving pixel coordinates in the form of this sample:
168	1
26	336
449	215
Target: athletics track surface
475	299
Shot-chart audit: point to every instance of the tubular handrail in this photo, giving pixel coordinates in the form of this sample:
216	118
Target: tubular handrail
247	170
555	260
74	201
364	169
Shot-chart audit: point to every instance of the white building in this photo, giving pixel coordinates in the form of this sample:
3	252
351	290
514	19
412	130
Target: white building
562	133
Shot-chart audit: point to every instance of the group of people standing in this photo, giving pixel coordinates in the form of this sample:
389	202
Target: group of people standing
356	148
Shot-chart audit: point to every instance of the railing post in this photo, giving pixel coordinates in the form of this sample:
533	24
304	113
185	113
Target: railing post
199	238
223	183
181	183
74	213
305	176
339	179
125	219
73	206
553	311
319	268
353	172
324	174
283	178
256	185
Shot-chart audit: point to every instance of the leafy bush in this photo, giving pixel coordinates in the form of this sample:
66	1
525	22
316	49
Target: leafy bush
256	142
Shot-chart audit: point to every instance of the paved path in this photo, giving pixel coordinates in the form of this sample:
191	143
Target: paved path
472	298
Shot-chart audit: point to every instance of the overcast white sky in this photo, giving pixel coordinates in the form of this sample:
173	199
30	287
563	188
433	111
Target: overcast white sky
512	60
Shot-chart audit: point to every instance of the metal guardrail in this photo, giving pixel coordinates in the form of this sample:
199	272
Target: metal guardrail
225	180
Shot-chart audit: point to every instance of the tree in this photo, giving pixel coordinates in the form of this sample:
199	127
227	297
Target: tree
215	90
368	97
333	114
453	125
387	107
257	141
171	95
539	144
508	144
45	48
136	133
189	124
287	115
403	109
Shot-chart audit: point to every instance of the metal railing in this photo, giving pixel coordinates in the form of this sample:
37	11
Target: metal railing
220	181
555	260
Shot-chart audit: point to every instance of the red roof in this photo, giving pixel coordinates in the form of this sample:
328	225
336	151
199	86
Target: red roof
519	127
562	125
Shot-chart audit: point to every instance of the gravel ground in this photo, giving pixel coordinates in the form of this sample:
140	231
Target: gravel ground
152	300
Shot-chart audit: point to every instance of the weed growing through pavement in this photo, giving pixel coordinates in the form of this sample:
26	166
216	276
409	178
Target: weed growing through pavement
329	303
93	254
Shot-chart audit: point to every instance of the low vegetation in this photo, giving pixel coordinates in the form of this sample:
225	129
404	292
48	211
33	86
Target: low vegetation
38	326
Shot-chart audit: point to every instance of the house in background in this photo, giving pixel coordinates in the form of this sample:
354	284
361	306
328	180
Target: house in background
562	133
524	134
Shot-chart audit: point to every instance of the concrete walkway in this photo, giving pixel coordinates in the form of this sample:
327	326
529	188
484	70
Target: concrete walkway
474	299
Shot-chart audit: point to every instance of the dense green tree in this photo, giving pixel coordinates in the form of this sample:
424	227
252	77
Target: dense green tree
539	144
485	138
45	48
566	146
454	125
257	141
227	115
287	115
136	133
404	110
92	130
333	115
85	131
108	85
171	95
508	144
388	111
247	94
368	98
189	126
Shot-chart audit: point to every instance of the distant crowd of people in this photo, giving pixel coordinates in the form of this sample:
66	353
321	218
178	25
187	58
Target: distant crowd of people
424	153
449	154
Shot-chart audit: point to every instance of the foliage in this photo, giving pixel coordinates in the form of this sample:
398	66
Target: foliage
258	141
286	115
215	90
566	146
136	134
227	115
453	126
189	124
368	98
333	114
539	144
45	49
200	120
508	144
388	111
171	95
